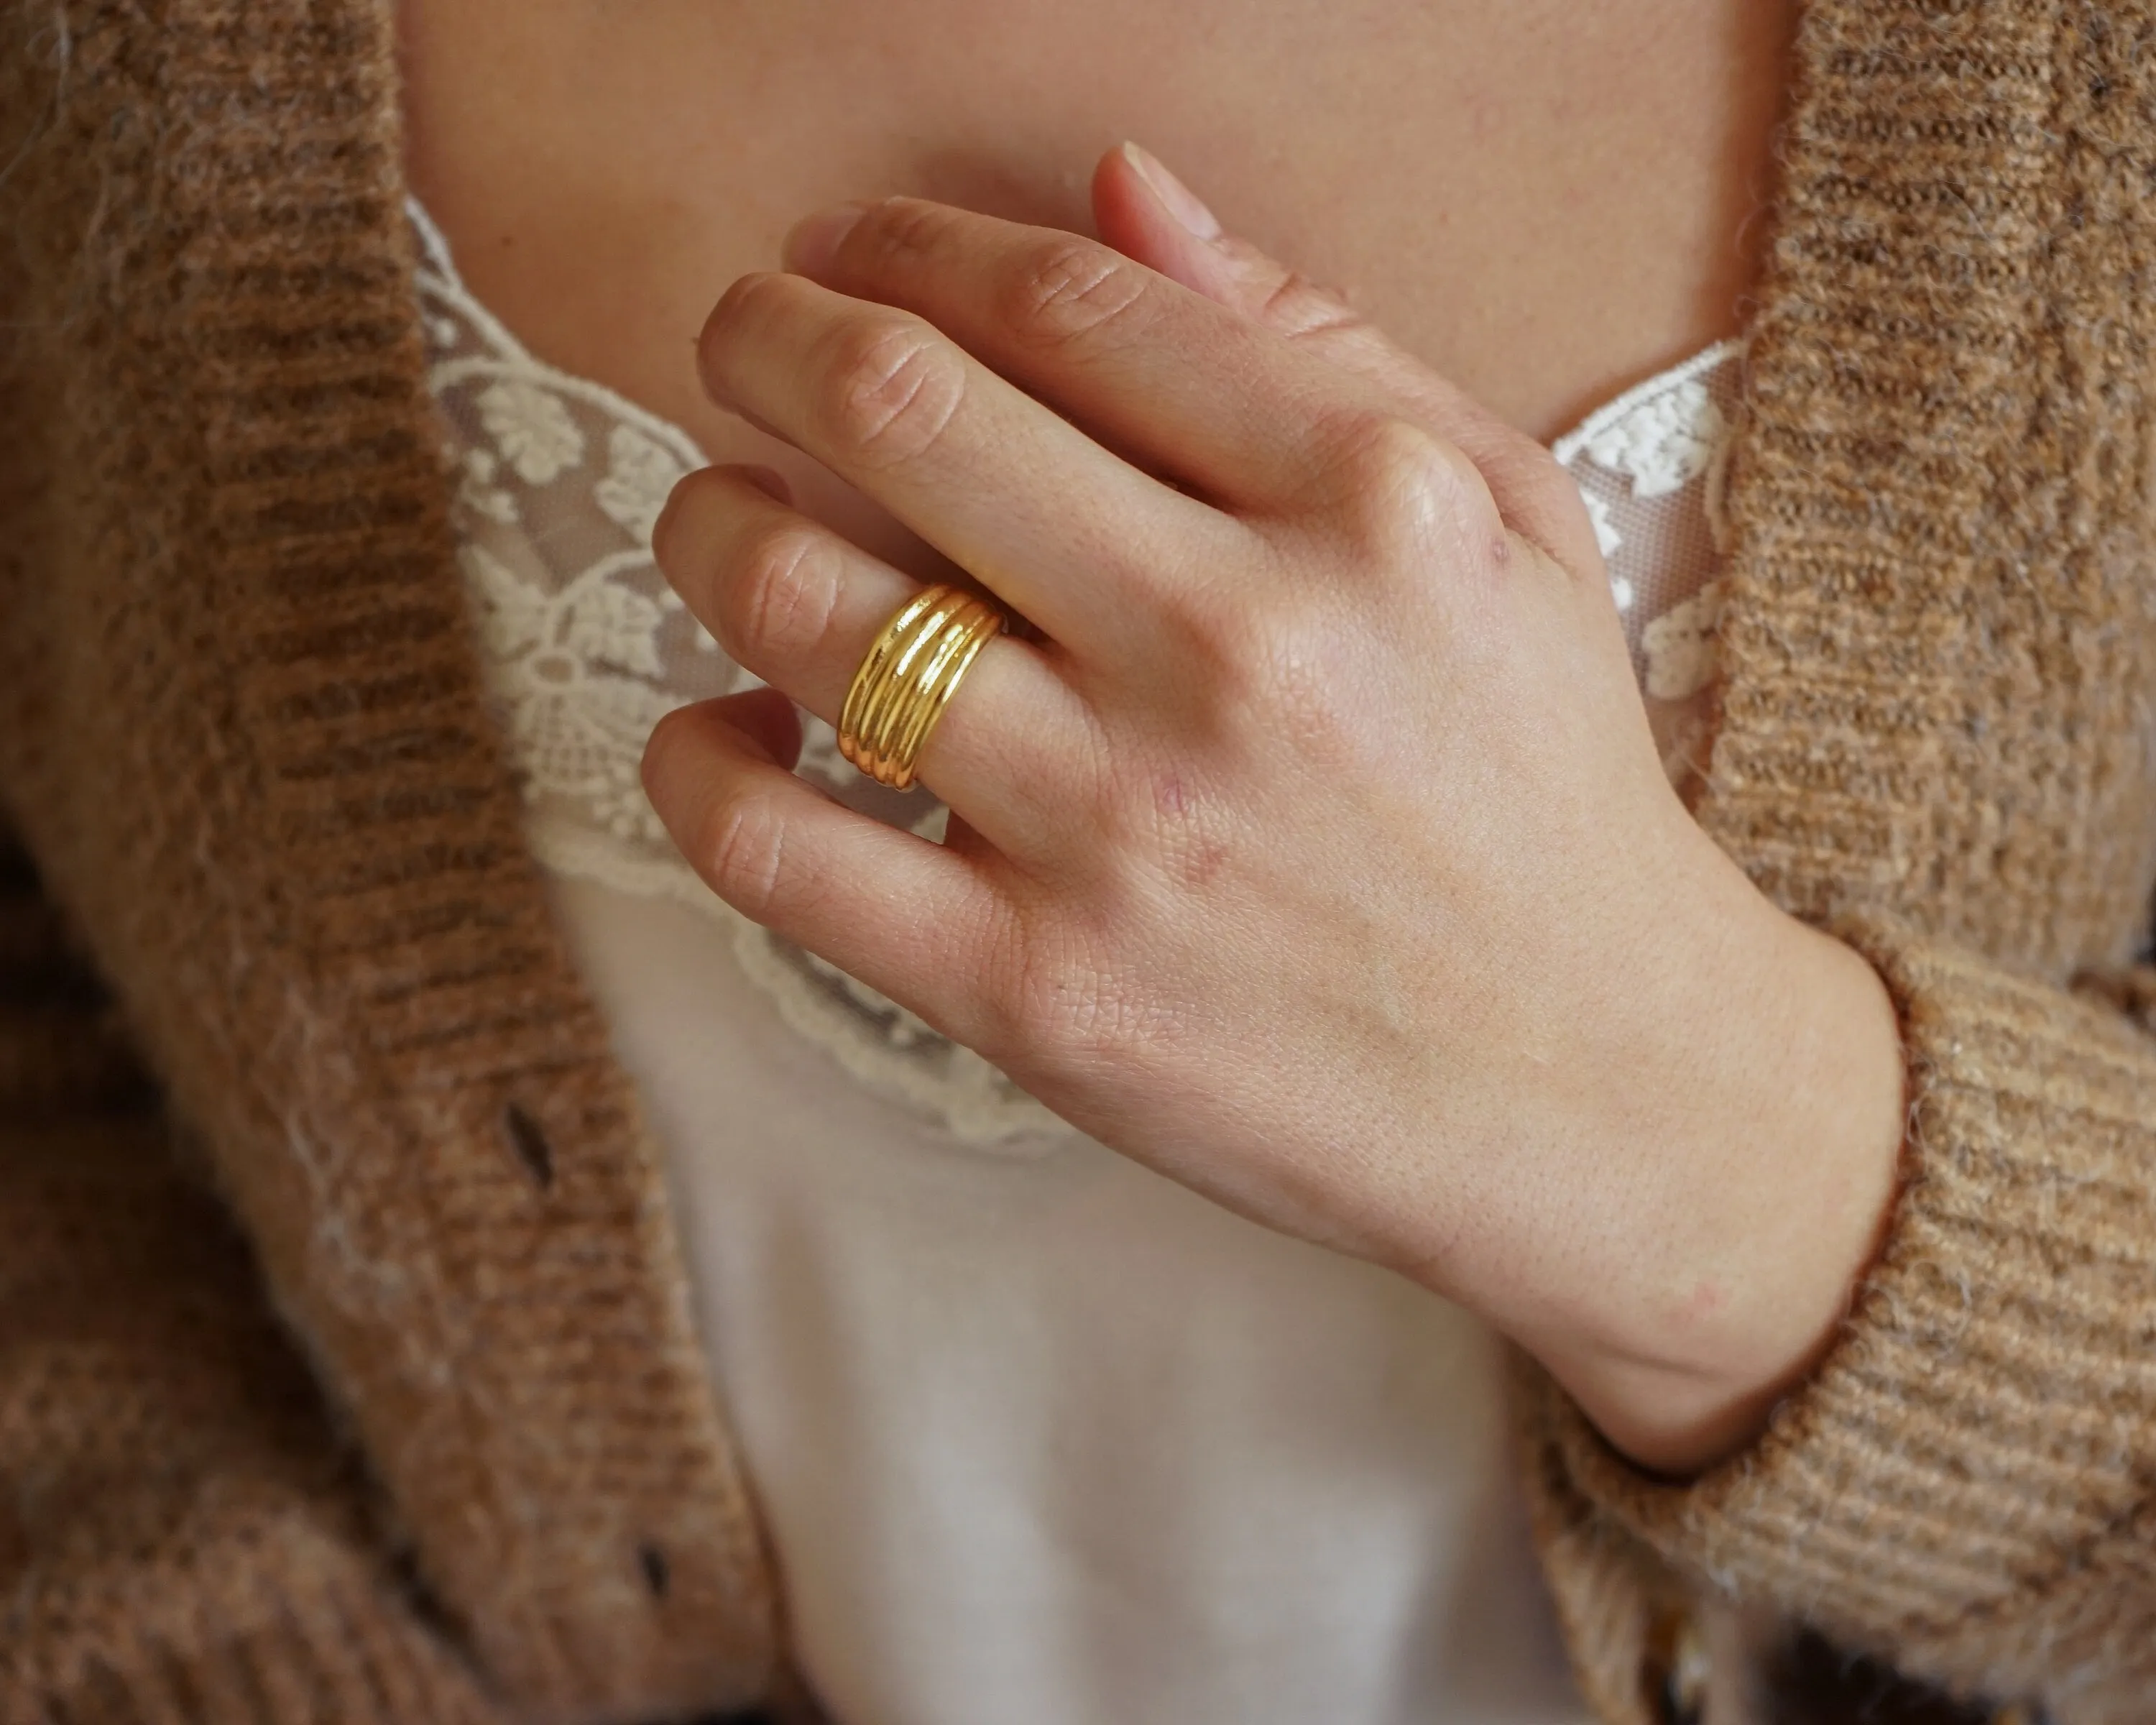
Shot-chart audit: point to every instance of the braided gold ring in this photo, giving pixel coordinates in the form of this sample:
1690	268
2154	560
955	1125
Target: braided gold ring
908	676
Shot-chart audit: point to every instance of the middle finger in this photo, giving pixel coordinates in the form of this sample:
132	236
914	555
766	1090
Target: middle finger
1068	533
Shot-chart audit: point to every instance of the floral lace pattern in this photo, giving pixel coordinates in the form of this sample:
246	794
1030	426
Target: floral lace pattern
1650	466
558	481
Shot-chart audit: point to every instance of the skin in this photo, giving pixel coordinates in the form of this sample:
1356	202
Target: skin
1545	202
1319	855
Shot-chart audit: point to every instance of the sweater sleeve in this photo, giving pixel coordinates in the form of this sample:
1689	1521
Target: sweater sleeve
1967	1486
181	1540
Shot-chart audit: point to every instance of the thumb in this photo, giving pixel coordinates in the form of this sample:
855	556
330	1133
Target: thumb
1150	216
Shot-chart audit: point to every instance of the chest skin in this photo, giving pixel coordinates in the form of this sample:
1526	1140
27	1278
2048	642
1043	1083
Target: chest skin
1545	201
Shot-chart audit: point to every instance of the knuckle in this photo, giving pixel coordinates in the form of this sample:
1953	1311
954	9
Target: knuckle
740	848
1296	307
783	595
1388	459
1397	487
670	734
891	388
901	232
673	531
748	301
1068	289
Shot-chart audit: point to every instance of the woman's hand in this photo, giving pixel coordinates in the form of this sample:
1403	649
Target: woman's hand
1319	856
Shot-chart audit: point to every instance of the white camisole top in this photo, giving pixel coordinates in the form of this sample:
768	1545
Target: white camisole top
1040	1437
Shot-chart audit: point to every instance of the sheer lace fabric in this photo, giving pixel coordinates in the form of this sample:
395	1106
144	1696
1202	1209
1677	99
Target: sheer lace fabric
559	481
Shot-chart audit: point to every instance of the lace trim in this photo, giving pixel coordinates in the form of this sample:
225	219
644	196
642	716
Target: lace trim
558	481
1652	466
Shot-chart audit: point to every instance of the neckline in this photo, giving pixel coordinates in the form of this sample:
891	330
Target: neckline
436	254
1709	358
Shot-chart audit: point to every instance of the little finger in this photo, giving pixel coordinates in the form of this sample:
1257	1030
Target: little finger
911	919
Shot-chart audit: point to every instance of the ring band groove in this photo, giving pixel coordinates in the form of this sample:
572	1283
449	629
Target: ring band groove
907	677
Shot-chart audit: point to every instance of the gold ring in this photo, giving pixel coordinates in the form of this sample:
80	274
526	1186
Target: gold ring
908	676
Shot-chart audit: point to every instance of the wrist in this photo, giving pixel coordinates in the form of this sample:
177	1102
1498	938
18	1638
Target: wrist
1747	1265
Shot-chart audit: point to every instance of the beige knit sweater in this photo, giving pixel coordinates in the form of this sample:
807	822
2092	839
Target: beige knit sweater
345	1373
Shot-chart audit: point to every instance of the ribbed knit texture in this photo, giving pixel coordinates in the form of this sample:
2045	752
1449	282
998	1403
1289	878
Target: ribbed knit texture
1941	665
195	1550
243	737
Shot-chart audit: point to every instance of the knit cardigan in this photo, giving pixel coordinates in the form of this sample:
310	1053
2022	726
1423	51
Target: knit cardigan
346	1367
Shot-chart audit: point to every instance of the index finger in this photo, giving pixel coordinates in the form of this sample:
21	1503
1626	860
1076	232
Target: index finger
1188	387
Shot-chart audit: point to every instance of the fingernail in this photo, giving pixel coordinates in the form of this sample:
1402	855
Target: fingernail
813	242
1177	198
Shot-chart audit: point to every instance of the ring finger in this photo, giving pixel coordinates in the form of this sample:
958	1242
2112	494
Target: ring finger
799	605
